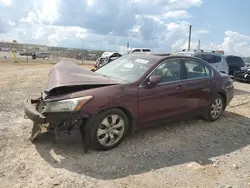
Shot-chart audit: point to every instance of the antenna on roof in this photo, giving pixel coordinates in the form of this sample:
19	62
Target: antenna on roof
189	37
127	45
199	44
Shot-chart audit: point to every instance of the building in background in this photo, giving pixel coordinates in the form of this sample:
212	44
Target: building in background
21	47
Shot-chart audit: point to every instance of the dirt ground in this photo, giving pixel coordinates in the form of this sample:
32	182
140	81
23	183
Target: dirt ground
185	154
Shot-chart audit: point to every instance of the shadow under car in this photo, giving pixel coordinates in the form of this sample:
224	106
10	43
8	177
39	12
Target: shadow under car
155	148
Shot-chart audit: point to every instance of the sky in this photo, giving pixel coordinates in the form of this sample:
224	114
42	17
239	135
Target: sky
161	25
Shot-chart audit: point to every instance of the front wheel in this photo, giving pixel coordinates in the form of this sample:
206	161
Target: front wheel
108	129
215	109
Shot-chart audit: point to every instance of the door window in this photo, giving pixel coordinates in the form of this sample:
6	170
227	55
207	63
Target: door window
136	50
235	61
170	71
195	69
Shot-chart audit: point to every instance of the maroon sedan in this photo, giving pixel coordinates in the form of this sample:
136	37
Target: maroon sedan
129	93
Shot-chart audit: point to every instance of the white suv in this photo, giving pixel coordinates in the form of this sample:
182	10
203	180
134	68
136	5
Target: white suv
133	50
216	60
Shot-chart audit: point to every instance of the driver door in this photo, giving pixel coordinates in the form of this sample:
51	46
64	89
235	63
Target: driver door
166	99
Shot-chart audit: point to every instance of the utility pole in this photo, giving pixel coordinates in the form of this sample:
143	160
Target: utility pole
199	45
82	51
189	38
57	54
127	45
27	53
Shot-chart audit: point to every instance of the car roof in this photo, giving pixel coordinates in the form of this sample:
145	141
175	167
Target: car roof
139	48
210	53
233	56
197	52
156	57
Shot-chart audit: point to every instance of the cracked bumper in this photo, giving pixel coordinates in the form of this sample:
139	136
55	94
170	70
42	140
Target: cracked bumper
31	112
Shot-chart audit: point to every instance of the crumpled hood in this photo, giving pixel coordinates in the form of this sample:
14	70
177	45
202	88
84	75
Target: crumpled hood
66	73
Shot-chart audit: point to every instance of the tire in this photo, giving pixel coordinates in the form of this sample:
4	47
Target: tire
208	116
97	128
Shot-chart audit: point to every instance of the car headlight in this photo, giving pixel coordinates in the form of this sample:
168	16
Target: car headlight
68	105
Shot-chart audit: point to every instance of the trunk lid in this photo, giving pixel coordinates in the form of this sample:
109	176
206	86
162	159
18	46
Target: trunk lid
66	73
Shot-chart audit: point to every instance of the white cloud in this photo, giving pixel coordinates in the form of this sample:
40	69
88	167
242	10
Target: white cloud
32	17
177	14
159	24
49	11
46	11
202	31
5	2
11	23
184	3
236	43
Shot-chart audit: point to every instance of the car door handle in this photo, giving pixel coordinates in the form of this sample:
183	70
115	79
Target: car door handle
211	81
206	89
179	87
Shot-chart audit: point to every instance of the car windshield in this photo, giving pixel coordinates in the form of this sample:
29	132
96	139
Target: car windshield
127	68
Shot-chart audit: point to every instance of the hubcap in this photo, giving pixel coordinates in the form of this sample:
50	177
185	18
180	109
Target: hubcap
216	108
110	130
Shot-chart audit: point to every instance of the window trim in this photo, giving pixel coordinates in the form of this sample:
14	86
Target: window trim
187	79
182	80
136	50
141	86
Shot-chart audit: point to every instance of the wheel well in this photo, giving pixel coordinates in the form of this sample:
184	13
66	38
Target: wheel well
223	95
130	118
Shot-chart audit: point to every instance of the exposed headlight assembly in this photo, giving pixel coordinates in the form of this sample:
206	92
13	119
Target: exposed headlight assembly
68	105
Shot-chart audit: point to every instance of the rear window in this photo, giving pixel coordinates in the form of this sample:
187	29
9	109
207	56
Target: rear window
146	50
209	58
235	61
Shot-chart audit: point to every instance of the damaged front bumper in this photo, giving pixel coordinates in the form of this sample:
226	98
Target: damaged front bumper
44	121
39	120
30	109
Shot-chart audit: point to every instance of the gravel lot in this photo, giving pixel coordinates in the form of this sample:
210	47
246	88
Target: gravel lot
185	154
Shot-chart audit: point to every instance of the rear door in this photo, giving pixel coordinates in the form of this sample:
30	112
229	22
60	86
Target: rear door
199	84
167	98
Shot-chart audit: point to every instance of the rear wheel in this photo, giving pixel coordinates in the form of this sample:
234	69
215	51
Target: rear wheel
108	129
215	109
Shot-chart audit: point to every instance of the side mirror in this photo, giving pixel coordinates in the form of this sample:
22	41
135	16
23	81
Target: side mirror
153	81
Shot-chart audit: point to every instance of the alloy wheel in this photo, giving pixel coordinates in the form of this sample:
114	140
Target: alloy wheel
216	108
110	130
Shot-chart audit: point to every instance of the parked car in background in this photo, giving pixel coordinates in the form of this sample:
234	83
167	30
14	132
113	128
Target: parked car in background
79	57
243	74
43	55
235	64
106	58
110	56
26	53
129	93
216	60
134	50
